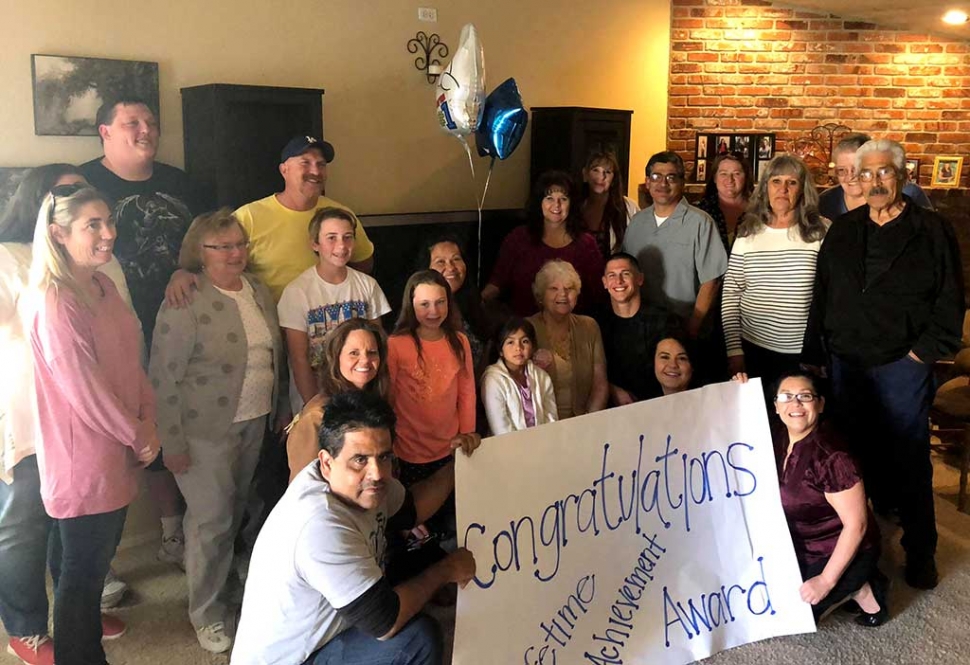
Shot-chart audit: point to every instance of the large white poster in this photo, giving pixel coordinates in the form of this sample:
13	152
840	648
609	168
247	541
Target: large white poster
651	533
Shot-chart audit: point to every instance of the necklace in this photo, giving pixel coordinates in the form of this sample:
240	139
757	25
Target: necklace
562	343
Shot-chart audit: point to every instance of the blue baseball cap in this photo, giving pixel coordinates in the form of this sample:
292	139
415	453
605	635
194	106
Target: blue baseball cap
300	144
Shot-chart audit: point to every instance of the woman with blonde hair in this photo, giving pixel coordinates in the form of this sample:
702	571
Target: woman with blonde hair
24	526
96	410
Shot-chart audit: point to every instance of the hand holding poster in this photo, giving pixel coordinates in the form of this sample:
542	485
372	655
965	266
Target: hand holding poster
649	533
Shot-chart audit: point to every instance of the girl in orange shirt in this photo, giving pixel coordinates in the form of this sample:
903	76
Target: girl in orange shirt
432	378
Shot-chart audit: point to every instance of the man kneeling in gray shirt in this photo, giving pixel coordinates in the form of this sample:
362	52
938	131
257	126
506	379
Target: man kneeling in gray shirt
316	591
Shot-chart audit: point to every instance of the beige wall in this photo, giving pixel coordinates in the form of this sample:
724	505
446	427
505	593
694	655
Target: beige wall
378	110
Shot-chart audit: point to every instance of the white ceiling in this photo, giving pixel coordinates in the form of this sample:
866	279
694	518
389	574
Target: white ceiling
917	16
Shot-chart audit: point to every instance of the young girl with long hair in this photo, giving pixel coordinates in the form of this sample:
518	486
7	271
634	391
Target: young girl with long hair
432	378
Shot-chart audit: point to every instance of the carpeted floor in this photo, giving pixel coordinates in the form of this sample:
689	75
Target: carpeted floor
931	628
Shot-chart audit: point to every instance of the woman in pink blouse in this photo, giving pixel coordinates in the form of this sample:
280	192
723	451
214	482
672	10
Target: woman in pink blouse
96	409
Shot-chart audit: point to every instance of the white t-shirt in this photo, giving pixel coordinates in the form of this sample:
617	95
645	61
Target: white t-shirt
661	220
314	554
311	305
256	395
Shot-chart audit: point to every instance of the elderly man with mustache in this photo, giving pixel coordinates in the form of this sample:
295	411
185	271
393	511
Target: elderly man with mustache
889	303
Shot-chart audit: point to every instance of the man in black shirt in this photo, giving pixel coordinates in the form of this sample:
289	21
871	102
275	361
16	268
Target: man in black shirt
889	303
154	205
630	332
154	202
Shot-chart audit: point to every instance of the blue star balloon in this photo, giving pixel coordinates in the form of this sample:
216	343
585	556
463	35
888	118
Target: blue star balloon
504	120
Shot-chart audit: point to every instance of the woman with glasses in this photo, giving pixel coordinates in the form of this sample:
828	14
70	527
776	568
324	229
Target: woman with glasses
219	371
768	286
834	532
553	230
729	186
96	410
24	525
847	195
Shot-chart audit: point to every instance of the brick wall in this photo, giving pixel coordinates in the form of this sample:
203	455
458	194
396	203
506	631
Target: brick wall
743	65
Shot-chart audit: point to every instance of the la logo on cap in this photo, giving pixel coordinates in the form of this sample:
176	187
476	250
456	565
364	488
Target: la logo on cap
310	139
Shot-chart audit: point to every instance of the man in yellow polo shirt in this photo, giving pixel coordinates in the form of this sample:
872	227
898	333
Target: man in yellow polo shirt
277	226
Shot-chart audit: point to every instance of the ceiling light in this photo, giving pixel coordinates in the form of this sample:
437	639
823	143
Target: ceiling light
955	17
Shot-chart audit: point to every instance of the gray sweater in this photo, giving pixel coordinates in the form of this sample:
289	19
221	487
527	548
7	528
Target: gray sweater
198	362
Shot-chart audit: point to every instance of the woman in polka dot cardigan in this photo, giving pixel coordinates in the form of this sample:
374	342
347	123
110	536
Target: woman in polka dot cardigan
218	370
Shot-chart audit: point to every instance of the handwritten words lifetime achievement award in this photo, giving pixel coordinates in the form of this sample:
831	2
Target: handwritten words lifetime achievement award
652	533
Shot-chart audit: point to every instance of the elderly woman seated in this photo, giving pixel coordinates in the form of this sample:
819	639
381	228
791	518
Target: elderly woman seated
570	345
833	530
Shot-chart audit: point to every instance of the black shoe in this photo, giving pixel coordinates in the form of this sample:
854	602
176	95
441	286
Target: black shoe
880	586
921	573
850	607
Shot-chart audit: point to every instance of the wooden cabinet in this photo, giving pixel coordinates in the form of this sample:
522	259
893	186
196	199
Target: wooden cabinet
233	136
564	136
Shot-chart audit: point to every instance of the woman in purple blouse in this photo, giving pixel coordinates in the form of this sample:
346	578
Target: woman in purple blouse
835	536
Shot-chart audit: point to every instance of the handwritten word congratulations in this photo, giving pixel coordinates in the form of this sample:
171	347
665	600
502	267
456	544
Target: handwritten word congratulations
665	491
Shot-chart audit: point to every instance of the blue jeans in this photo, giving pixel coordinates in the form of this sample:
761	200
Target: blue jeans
24	531
885	412
418	643
80	556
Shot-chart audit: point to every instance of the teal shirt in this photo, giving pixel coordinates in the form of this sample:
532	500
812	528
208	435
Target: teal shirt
676	257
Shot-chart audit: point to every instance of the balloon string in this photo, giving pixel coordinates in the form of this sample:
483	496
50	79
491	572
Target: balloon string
481	204
468	151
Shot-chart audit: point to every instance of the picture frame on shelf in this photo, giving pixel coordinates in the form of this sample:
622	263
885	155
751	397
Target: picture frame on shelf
946	171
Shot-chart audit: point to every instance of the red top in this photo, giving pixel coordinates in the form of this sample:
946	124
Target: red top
519	259
819	465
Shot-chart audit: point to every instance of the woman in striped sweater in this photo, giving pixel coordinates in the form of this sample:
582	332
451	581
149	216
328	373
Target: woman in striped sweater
768	286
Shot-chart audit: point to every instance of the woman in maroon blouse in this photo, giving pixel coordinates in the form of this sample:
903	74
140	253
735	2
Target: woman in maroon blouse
553	230
835	536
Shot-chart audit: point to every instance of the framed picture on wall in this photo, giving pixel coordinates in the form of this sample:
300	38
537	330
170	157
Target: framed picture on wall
742	145
702	146
946	171
68	90
701	171
723	145
912	170
766	146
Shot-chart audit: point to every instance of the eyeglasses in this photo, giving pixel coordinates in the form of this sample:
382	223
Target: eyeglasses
883	173
228	247
801	398
846	173
671	178
62	191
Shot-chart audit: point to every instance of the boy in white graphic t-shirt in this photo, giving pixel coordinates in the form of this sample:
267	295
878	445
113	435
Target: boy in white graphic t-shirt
324	296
